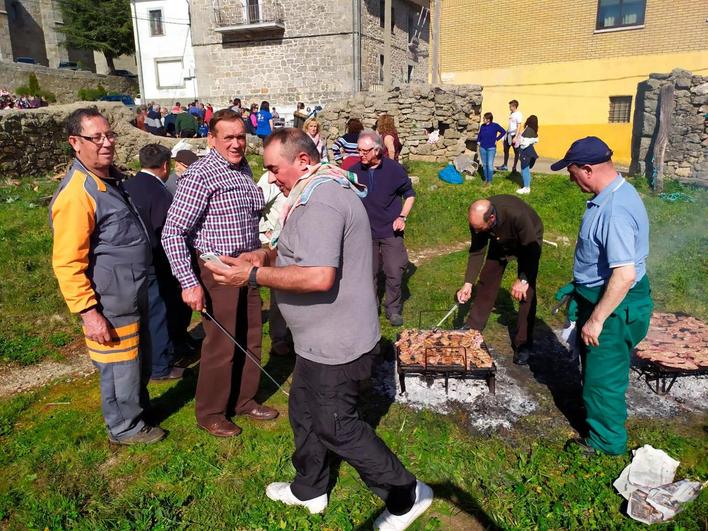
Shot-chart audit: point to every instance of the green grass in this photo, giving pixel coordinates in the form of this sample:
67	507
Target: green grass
58	471
35	322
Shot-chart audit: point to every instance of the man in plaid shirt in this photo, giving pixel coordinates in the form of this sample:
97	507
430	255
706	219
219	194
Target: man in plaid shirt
216	209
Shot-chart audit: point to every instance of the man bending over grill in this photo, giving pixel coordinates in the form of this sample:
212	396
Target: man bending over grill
511	229
322	279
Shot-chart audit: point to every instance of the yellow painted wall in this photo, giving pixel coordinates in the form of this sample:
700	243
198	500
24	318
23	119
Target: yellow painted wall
572	98
548	55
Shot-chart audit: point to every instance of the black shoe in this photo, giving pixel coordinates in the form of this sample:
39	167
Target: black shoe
175	374
581	444
148	435
522	355
396	319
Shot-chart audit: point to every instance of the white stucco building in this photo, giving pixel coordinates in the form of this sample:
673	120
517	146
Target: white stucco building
163	47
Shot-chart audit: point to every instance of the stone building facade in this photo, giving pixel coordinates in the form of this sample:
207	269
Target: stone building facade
5	41
686	156
417	110
32	27
285	51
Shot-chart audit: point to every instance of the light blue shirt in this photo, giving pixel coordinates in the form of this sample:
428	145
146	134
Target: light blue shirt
614	232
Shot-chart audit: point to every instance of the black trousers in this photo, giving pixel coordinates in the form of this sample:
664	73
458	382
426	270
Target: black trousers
490	279
517	152
325	422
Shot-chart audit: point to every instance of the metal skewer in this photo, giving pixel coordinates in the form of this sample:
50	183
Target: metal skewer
558	306
246	352
448	314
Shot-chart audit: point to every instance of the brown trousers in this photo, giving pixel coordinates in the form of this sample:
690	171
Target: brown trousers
228	380
490	279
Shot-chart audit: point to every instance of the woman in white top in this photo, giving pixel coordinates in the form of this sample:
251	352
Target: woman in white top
527	153
312	128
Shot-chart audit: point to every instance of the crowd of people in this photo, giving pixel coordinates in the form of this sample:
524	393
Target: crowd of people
8	100
134	257
193	121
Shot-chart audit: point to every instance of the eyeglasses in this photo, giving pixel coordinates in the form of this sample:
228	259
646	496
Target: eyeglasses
364	151
99	138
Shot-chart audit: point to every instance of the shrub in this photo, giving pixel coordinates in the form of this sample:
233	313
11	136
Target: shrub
92	94
32	88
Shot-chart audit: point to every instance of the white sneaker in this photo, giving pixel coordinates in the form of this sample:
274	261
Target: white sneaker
281	492
390	522
524	190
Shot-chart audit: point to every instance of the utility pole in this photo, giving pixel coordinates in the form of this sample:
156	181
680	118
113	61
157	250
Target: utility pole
387	44
435	43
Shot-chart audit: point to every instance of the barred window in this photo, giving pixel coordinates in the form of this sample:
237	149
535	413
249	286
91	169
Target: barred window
156	22
620	109
620	13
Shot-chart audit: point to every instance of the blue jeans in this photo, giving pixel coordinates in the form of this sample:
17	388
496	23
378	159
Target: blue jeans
487	156
526	176
158	346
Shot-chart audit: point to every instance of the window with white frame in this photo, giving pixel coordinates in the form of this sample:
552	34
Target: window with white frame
169	73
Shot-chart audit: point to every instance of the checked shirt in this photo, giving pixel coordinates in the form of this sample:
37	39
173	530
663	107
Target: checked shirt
216	209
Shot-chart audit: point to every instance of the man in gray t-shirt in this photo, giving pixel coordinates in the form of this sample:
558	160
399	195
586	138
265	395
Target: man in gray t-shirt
338	325
322	276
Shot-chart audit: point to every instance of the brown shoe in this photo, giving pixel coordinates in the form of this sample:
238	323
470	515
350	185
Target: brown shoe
221	428
261	412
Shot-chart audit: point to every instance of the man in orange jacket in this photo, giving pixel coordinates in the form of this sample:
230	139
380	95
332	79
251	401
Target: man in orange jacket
100	256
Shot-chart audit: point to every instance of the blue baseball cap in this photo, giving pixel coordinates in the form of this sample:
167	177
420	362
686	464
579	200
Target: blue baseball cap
588	150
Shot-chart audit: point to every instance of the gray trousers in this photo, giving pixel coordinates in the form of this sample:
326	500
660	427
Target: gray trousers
123	396
124	364
391	252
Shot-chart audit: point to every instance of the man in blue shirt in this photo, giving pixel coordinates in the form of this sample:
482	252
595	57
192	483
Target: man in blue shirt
610	287
389	200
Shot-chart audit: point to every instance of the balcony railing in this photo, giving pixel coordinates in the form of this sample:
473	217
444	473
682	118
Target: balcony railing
248	15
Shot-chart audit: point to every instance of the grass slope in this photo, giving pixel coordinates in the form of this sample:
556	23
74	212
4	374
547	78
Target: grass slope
36	322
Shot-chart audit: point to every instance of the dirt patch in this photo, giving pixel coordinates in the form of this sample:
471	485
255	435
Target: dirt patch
423	255
75	363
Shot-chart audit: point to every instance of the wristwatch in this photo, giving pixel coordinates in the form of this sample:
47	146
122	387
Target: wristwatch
404	218
252	283
524	281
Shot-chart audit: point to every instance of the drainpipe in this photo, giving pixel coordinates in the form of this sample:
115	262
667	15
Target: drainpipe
356	46
139	57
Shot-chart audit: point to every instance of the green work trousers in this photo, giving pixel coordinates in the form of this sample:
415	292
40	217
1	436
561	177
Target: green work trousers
606	366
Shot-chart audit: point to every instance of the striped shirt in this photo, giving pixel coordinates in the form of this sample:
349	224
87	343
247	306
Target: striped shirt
216	209
345	146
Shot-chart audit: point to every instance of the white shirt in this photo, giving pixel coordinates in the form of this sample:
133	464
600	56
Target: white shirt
515	119
150	173
274	201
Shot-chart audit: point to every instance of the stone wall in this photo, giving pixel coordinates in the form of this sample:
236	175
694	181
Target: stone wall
65	84
686	157
33	142
417	110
